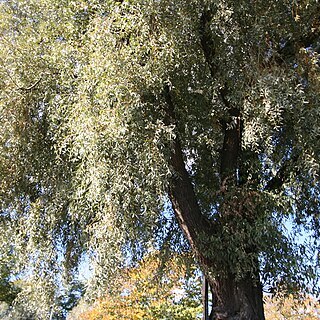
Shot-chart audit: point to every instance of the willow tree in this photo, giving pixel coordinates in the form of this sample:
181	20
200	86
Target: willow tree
121	120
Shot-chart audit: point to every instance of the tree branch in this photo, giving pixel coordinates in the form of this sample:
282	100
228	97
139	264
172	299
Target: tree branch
194	224
231	142
281	177
206	39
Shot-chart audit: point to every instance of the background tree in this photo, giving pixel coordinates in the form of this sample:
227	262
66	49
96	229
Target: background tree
150	291
289	307
112	110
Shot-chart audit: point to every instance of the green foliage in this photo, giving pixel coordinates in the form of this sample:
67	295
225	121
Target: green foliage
85	141
8	291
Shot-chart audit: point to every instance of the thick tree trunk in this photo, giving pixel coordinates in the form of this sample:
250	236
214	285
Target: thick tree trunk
236	300
240	300
232	300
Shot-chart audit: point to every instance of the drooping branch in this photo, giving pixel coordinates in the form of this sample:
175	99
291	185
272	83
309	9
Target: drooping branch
31	86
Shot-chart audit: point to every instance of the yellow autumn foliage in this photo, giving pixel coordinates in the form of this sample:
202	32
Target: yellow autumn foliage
145	294
292	308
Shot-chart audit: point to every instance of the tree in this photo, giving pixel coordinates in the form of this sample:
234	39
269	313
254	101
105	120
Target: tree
150	291
292	308
112	110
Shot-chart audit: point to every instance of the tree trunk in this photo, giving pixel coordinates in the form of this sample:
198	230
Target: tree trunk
232	300
236	300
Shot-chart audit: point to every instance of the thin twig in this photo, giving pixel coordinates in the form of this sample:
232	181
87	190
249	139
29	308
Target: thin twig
32	86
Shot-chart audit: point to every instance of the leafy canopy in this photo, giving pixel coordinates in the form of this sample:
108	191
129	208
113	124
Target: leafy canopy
85	143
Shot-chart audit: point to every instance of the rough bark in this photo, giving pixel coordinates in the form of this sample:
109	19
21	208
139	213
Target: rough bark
237	300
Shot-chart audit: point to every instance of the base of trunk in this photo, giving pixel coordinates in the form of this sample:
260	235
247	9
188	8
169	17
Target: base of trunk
237	300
